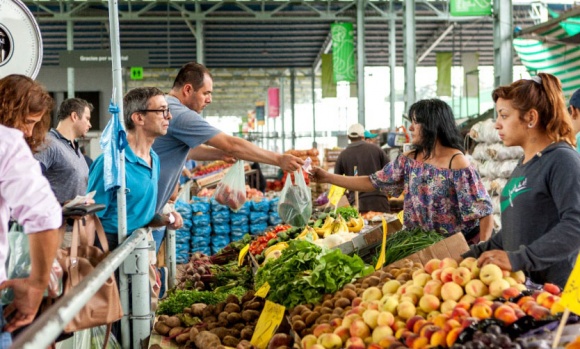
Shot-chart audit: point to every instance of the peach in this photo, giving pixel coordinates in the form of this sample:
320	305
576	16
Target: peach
419	343
433	287
371	294
428	330
510	292
308	341
497	286
510	280
322	328
385	318
527	305
401	333
451	291
436	274
467	300
542	296
475	271
390	305
373	305
440	320
373	346
468	262
388	341
519	276
476	288
459	313
438	339
330	341
520	313
539	312
448	305
370	317
356	310
349	319
355	343
418	290
421	279
356	302
461	276
447	274
432	265
399	323
451	324
418	272
412	320
410	297
429	303
391	286
489	273
553	289
432	315
525	299
505	313
343	332
448	262
359	328
317	346
336	322
481	311
452	336
521	287
381	332
418	325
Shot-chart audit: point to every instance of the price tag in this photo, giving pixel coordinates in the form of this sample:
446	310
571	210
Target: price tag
263	291
267	325
382	256
243	253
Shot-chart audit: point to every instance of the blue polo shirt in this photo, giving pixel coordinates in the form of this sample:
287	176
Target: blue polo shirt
141	182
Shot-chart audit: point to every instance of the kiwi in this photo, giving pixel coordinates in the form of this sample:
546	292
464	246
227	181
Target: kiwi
311	318
342	303
349	294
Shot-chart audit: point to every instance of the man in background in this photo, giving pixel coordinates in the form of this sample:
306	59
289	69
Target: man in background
361	158
61	159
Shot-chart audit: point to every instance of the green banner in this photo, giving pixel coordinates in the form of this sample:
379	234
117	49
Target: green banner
470	7
343	61
326	77
444	63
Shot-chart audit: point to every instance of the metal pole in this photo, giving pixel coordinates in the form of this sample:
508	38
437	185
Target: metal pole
392	62
360	59
199	37
170	257
70	72
314	145
282	80
292	102
139	262
121	200
409	51
50	324
503	65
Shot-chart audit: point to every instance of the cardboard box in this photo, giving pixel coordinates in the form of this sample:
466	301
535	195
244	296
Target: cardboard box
453	246
366	241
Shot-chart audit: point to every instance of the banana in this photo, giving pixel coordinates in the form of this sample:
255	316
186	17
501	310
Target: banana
308	233
325	229
355	224
338	226
278	247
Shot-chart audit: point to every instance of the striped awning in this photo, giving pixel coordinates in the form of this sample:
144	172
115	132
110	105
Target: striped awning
553	47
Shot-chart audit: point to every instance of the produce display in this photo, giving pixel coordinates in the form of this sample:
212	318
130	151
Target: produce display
212	167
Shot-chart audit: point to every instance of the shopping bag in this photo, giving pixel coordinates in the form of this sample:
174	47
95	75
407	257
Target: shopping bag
231	191
295	205
18	265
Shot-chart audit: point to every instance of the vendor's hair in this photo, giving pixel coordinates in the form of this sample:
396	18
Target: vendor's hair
544	94
191	73
68	106
437	123
137	100
20	97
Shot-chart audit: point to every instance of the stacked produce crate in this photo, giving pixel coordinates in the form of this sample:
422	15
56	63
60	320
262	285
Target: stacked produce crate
182	235
200	228
240	222
259	216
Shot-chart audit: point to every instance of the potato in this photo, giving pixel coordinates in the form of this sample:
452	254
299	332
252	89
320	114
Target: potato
182	338
326	297
244	344
207	340
192	333
161	328
247	333
220	307
197	309
230	341
234	318
162	318
249	315
232	308
299	309
342	303
248	296
232	299
279	340
174	332
221	332
209	311
239	326
234	333
253	306
173	321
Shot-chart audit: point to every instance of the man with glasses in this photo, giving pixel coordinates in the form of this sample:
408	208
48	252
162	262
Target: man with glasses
574	110
147	116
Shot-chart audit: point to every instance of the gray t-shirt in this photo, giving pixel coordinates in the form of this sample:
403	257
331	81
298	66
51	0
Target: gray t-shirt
64	166
187	129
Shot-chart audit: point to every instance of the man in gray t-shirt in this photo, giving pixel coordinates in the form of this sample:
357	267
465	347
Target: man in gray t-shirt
61	159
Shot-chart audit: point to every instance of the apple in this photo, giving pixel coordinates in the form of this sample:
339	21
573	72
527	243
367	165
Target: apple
489	273
476	288
451	291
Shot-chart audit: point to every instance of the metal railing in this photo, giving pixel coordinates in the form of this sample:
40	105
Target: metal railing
133	254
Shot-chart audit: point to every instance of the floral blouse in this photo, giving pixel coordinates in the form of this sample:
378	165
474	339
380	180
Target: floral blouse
441	199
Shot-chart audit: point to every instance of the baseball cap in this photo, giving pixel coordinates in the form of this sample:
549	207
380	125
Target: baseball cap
575	99
356	130
370	135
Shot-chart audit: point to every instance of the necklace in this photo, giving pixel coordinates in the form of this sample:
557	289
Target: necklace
540	153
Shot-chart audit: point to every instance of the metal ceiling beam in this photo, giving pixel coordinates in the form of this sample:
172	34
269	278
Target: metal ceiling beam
424	51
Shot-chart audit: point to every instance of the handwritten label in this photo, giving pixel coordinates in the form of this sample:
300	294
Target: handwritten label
267	325
382	256
571	295
263	291
242	255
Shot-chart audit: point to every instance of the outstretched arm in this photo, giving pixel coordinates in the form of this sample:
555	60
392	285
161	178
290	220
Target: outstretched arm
353	183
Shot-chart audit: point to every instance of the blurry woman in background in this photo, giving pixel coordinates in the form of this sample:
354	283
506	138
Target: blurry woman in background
540	204
443	191
25	105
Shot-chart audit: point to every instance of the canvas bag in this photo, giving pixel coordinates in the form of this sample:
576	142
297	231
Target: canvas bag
77	262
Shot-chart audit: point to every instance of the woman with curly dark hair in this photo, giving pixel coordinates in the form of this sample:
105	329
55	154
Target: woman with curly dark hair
443	191
540	204
25	105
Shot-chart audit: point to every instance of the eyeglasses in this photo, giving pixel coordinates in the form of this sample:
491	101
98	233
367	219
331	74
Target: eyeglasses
164	111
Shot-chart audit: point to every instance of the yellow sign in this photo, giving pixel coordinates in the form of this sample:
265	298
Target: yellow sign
571	294
267	325
334	194
243	253
263	291
382	256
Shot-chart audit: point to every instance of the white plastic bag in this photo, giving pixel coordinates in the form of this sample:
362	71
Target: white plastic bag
295	205
231	191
